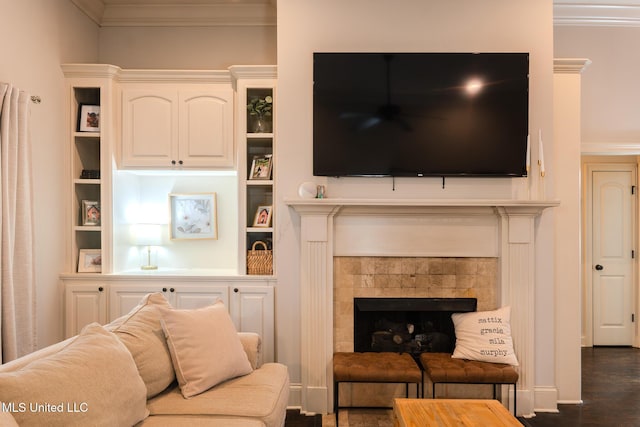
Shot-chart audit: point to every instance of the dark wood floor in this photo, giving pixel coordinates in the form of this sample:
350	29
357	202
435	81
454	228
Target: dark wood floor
610	394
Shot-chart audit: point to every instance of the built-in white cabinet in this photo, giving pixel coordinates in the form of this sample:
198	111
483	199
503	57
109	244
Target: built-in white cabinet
85	302
177	126
250	305
136	136
123	297
252	310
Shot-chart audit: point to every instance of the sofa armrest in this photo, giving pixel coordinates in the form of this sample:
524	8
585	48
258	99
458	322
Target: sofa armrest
252	344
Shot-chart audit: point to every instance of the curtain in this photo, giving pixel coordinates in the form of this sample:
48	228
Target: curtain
17	275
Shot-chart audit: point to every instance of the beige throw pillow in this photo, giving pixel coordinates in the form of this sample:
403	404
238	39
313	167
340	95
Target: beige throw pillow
141	331
91	382
484	336
205	347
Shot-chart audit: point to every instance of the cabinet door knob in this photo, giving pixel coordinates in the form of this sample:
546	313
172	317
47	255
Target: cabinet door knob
164	289
100	289
172	290
236	290
180	162
173	162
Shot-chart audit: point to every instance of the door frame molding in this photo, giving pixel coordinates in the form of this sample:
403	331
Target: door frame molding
590	165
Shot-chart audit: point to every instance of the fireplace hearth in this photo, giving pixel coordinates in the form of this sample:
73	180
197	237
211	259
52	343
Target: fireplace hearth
407	325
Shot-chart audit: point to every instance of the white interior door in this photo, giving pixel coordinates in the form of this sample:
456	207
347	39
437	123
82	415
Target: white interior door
612	269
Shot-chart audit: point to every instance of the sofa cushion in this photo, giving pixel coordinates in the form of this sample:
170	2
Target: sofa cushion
263	394
484	336
141	331
92	381
204	346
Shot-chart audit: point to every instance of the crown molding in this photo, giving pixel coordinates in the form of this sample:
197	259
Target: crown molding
94	9
600	15
570	65
610	148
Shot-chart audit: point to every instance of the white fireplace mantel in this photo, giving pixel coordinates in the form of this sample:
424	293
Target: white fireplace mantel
511	221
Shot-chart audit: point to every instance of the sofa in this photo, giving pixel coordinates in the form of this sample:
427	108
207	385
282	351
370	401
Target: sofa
155	366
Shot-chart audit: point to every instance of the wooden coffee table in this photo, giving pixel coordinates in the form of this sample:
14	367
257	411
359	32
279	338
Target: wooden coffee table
452	412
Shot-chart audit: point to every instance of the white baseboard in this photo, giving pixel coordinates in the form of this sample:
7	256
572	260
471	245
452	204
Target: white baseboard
546	399
295	396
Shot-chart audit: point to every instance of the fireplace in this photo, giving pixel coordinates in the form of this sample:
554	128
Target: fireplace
407	325
484	228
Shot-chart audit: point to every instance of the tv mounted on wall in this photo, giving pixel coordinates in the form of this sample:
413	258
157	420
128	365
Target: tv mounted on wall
420	114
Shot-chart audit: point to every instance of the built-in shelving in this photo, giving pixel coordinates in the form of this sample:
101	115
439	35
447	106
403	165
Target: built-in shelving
88	122
256	141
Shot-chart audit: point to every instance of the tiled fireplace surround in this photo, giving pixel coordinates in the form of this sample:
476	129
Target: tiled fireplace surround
411	248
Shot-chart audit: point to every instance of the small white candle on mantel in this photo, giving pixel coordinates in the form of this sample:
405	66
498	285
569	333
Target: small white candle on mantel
540	153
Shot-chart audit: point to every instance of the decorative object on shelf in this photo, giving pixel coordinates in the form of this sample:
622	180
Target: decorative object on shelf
320	192
90	174
90	212
149	236
262	217
261	167
193	216
260	109
307	190
89	118
90	261
259	261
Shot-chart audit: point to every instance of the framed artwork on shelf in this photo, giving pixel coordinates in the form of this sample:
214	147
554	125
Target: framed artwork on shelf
89	118
90	212
193	216
90	261
263	216
261	167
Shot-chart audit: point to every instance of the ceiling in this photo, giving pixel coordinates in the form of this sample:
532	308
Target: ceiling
118	13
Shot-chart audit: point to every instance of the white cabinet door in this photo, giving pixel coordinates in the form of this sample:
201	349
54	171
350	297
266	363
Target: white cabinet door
197	296
206	127
84	304
252	310
123	298
149	126
177	126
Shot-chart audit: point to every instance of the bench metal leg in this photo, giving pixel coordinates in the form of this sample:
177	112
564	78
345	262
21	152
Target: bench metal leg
336	399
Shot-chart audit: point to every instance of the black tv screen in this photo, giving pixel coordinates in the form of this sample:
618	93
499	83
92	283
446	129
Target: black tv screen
420	114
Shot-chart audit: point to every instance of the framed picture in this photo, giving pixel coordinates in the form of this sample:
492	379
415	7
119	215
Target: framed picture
261	167
90	261
193	216
89	118
90	212
263	217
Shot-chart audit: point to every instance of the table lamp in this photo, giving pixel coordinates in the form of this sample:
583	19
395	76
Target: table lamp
148	235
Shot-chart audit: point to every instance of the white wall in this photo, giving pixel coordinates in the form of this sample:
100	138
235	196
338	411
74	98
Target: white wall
36	36
610	90
188	48
385	25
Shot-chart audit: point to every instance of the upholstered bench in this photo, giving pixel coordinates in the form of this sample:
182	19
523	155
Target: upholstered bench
440	368
374	368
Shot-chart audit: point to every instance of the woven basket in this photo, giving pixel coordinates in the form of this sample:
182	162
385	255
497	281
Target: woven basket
259	261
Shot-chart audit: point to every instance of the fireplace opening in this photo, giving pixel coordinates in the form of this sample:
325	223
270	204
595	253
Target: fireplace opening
407	325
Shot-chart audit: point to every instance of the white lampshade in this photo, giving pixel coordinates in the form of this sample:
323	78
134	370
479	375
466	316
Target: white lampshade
147	234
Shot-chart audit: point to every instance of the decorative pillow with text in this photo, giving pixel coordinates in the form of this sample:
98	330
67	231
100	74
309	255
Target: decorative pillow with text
484	336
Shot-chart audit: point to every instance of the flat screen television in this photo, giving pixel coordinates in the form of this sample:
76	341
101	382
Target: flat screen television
420	114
